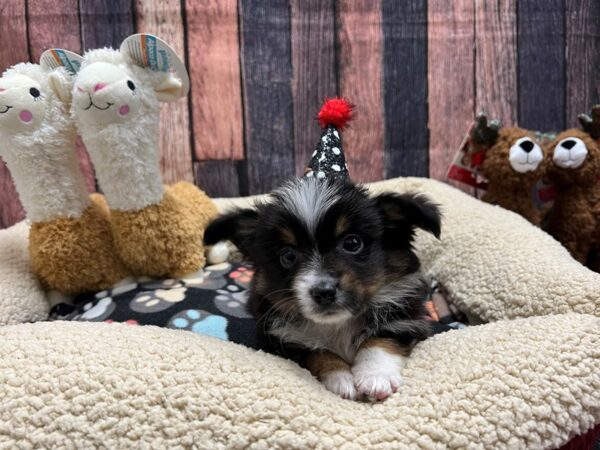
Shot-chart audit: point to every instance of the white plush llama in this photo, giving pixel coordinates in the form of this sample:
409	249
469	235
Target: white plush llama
157	230
70	243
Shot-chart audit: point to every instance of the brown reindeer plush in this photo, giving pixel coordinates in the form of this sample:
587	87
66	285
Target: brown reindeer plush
512	160
574	166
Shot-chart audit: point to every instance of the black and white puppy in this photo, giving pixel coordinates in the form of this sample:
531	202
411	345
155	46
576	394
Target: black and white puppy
337	285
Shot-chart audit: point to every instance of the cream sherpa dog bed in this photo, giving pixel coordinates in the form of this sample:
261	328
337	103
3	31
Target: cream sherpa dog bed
533	382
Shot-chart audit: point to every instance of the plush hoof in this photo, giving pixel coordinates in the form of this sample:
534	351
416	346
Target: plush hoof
165	240
73	256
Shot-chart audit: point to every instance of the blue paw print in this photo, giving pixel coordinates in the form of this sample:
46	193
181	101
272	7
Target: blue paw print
200	322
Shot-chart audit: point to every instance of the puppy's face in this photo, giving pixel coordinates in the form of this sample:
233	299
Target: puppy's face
323	249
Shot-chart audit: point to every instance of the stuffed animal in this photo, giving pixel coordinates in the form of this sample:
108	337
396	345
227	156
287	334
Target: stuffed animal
70	240
574	166
512	161
157	229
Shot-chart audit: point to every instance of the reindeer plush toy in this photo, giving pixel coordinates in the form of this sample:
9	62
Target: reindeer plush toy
574	166
512	161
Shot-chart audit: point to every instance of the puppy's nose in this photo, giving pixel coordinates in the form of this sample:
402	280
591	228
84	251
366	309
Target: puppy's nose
527	146
568	144
323	293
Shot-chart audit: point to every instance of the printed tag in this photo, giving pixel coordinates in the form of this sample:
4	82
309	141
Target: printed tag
463	167
150	51
57	57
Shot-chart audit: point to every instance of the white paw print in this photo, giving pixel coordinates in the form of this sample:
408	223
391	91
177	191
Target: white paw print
158	300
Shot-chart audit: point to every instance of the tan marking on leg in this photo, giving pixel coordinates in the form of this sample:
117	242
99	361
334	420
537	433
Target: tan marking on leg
325	362
389	345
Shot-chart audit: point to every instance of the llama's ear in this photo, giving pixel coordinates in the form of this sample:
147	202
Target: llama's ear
170	89
61	84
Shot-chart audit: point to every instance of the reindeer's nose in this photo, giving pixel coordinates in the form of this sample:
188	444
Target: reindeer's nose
568	144
527	146
99	86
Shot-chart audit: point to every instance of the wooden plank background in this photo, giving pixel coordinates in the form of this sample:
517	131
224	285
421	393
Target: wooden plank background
417	71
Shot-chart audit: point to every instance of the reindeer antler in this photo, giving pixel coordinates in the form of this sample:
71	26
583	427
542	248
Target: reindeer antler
484	133
591	125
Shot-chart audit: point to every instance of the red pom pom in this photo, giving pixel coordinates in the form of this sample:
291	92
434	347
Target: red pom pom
336	112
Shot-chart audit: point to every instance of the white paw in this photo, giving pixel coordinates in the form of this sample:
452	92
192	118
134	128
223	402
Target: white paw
340	382
376	385
377	373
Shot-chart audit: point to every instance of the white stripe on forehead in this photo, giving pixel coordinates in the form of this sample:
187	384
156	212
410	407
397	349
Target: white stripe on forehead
308	199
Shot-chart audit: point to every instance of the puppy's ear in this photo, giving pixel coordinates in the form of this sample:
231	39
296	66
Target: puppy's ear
402	213
237	226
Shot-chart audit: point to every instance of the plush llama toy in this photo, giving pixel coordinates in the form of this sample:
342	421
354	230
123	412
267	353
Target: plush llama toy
574	166
70	241
157	230
512	161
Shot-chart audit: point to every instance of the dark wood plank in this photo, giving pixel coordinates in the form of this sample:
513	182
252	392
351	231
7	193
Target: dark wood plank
218	178
214	62
53	23
405	88
451	80
496	59
105	23
313	62
541	64
13	50
583	57
268	105
360	66
164	19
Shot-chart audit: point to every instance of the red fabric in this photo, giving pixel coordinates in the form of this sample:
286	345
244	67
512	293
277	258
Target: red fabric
336	111
477	158
583	441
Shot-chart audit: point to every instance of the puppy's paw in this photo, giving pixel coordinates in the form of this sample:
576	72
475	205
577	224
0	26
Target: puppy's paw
340	382
377	373
376	384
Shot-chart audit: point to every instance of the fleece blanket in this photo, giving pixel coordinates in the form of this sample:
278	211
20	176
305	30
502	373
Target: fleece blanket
531	382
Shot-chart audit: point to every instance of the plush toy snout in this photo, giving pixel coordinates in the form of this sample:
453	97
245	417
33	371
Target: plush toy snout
525	155
105	93
22	104
570	153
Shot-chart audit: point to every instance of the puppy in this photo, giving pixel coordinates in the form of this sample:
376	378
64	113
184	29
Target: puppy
337	285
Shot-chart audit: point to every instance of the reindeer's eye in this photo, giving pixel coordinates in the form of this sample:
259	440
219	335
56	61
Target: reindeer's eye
130	85
34	92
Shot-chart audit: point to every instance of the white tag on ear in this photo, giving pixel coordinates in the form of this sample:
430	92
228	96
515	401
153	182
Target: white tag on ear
149	51
57	57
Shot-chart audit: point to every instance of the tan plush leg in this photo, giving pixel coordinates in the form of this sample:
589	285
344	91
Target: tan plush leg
165	240
76	255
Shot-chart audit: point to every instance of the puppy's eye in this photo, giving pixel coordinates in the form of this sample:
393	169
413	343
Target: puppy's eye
130	85
352	244
35	93
288	258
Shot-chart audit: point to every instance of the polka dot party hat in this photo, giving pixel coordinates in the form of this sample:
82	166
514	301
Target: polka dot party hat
328	158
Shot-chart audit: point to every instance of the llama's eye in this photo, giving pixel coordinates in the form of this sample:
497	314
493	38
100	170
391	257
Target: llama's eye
130	85
352	244
288	258
35	93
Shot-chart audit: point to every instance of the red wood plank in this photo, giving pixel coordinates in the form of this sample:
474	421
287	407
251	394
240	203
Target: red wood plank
360	65
164	19
496	59
53	24
313	62
13	49
451	79
583	57
218	178
214	63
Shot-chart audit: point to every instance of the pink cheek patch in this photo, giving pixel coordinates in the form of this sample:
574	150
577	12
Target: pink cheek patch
124	110
25	116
